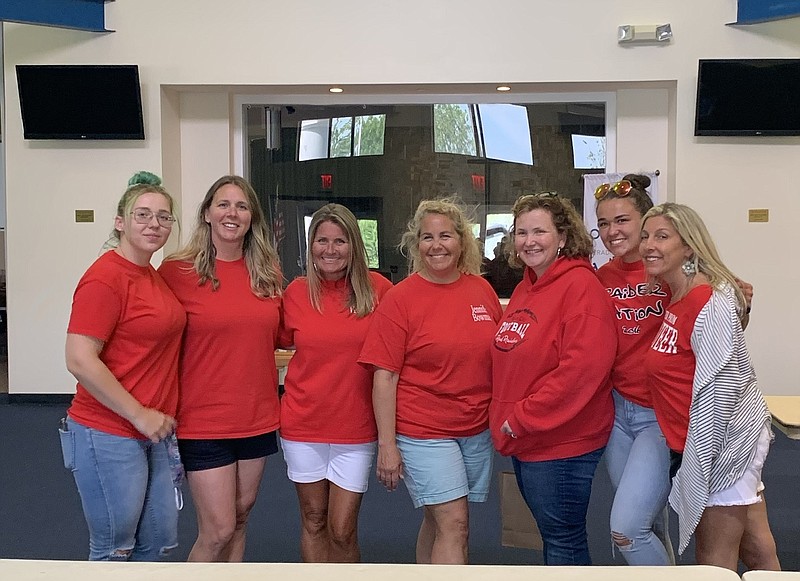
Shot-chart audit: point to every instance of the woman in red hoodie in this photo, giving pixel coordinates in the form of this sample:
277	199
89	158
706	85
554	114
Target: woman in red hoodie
551	407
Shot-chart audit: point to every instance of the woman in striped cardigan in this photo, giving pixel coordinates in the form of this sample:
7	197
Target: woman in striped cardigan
706	396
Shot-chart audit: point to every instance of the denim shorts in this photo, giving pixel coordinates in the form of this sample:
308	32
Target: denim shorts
206	454
346	465
440	470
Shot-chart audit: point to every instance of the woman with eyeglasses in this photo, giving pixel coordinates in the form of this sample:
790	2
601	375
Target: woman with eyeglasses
551	408
706	396
123	343
429	344
637	456
229	282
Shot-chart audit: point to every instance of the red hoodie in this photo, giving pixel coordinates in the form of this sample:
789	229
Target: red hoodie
551	364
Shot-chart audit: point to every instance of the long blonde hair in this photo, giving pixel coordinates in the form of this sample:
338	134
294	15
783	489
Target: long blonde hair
693	232
362	299
260	257
470	260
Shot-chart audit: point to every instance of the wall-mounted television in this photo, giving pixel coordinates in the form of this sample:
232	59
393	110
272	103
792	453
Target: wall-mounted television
80	101
748	97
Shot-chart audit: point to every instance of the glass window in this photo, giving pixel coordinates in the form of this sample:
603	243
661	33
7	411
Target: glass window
454	129
341	136
506	132
313	139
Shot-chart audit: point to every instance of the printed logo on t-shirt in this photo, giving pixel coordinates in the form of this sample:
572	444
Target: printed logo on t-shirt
479	313
513	329
667	338
627	292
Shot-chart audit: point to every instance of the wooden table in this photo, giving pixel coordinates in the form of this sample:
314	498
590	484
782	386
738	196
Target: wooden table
785	410
85	571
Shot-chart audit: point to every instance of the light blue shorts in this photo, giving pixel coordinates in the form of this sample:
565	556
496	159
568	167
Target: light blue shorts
438	471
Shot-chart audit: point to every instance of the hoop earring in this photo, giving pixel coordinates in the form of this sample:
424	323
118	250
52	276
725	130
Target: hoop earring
689	268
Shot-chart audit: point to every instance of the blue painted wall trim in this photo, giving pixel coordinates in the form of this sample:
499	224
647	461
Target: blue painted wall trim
753	11
86	15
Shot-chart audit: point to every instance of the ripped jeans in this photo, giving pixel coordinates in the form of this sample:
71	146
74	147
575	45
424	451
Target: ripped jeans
637	458
126	491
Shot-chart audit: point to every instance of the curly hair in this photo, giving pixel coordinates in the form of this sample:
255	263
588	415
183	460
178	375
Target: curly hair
470	260
565	218
260	257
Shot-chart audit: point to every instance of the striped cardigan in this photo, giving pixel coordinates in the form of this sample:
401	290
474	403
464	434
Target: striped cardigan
726	416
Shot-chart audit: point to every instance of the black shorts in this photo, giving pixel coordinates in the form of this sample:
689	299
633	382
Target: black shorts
206	454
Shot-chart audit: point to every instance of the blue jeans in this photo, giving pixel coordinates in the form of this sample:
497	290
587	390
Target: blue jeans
126	491
638	464
557	492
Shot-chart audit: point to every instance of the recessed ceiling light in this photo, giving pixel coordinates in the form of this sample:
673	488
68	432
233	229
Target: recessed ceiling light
336	90
503	88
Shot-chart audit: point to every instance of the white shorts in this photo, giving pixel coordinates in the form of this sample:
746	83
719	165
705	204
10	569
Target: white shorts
346	465
746	490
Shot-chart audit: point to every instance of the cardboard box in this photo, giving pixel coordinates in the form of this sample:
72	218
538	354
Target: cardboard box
519	526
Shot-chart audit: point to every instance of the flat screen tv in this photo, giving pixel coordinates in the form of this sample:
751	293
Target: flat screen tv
80	101
748	97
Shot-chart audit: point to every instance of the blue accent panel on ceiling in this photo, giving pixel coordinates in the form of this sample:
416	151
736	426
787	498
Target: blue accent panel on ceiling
753	11
86	15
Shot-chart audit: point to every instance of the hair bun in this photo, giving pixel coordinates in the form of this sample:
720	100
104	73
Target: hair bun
144	178
638	181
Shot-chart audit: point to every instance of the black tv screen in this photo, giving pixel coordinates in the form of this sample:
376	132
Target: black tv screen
80	101
748	97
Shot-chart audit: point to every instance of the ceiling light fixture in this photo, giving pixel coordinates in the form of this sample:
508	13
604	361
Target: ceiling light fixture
503	88
336	90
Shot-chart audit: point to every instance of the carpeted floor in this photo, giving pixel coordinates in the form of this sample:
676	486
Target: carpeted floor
41	518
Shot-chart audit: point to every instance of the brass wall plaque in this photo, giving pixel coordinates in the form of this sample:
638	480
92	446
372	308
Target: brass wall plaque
84	215
759	215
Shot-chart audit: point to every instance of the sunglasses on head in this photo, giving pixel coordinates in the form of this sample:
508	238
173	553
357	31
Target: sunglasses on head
540	195
622	188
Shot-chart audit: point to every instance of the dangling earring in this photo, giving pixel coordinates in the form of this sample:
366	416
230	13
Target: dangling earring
558	252
689	268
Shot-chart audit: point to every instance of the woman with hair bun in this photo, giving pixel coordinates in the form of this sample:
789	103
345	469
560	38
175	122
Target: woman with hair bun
229	282
637	456
123	343
429	345
328	428
706	396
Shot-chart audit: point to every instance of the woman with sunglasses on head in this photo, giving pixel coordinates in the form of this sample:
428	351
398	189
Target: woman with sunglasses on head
229	282
328	428
637	456
123	342
429	344
551	407
705	394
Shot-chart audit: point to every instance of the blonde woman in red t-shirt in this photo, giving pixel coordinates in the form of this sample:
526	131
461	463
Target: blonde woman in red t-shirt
123	342
429	344
705	395
228	280
327	425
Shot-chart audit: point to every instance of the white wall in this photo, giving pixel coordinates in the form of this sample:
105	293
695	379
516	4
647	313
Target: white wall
202	45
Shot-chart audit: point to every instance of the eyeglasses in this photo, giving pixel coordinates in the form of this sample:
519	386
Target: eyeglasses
144	216
621	189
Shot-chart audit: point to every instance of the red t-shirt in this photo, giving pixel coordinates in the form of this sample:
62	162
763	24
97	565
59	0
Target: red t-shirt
140	321
670	364
638	318
437	337
328	395
229	383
